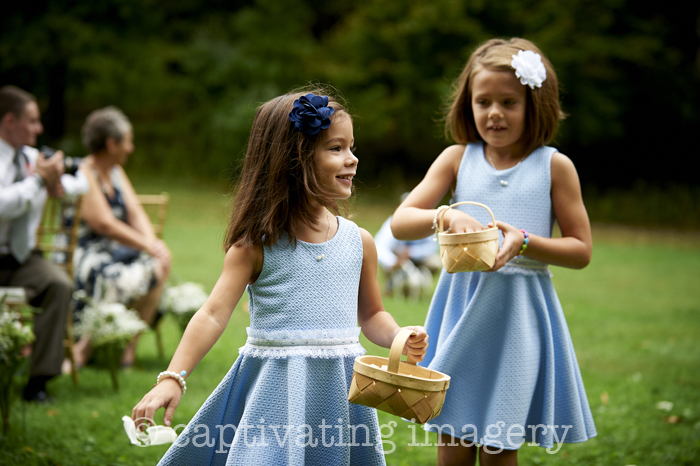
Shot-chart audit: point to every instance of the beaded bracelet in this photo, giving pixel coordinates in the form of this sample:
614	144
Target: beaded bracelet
435	219
525	242
174	375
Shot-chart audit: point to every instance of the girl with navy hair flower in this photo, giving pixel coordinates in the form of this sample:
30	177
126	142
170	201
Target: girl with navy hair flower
501	334
311	276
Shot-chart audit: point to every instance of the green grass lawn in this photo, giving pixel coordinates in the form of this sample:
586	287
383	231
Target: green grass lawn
633	316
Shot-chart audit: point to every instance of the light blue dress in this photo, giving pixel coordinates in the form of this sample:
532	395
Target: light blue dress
502	336
284	401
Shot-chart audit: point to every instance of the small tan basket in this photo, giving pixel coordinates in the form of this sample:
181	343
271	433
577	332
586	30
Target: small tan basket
403	389
468	252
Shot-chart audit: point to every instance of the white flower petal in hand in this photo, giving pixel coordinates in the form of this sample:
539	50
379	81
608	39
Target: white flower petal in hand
130	429
154	435
529	68
159	435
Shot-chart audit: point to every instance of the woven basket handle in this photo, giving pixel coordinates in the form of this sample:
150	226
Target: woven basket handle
397	349
442	214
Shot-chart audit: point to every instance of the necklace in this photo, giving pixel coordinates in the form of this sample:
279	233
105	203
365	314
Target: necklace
325	245
504	183
106	188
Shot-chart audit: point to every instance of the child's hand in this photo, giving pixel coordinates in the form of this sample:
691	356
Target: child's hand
512	242
417	344
459	222
166	395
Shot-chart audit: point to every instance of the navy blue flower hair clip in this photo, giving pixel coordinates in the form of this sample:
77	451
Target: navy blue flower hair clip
311	114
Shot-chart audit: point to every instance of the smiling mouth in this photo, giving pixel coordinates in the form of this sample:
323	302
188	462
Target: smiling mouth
496	128
345	177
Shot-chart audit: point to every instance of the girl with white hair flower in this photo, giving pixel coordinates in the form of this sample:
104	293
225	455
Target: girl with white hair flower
502	336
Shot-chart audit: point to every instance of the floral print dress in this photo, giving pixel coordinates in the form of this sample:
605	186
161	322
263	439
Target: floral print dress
106	270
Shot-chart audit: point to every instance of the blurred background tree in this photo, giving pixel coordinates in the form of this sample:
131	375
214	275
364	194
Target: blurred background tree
190	74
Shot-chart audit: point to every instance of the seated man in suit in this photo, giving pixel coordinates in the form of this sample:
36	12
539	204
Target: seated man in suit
26	178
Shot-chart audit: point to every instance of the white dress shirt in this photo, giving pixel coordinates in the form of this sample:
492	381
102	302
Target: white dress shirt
20	197
389	247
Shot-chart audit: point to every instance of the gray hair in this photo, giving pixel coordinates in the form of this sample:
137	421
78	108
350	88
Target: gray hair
102	124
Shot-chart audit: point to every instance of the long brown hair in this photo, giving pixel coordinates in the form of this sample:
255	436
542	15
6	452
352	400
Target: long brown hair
542	114
279	186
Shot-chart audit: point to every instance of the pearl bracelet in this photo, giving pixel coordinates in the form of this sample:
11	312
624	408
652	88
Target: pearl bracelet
176	376
435	219
525	242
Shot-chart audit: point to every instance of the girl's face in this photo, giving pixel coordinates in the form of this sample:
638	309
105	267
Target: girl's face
498	105
336	163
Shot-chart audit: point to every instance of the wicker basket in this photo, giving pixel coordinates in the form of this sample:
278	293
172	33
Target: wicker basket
468	252
403	389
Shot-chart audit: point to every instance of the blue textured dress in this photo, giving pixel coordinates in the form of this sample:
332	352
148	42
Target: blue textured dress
284	401
502	336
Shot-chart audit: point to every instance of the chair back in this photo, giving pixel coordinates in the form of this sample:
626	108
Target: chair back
57	235
156	207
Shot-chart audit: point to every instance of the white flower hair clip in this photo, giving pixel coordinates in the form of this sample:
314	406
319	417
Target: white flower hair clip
529	68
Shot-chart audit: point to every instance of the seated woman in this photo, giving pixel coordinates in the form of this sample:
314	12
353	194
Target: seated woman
118	257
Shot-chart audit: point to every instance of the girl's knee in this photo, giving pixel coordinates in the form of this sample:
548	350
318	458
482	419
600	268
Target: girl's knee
451	452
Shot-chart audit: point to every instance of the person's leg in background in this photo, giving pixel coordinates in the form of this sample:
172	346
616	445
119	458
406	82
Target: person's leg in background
50	289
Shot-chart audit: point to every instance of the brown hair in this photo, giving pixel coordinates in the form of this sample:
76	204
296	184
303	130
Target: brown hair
14	100
279	184
542	113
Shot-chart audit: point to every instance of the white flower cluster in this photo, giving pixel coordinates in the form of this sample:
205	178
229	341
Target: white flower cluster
13	335
529	68
109	323
184	299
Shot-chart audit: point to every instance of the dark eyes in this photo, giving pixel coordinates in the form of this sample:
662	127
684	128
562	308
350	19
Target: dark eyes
485	103
338	148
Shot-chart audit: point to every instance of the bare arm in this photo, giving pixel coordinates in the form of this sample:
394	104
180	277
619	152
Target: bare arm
139	221
377	324
413	219
241	265
574	248
137	217
99	217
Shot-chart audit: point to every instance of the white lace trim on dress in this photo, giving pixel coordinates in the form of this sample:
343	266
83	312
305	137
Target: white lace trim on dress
525	266
294	334
323	352
317	343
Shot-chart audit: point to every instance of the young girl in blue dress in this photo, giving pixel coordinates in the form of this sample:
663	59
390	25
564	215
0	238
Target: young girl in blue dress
311	277
501	335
